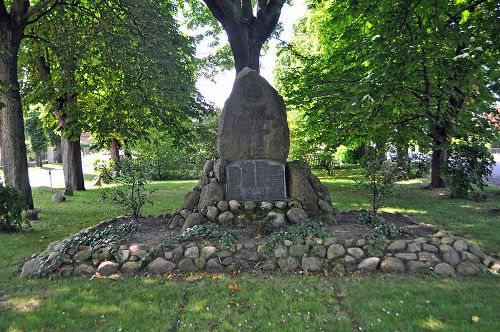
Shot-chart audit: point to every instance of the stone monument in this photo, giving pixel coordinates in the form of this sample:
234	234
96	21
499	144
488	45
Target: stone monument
252	169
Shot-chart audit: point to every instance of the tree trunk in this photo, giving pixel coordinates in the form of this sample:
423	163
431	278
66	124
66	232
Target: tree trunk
38	159
246	52
114	150
15	164
72	164
58	151
438	159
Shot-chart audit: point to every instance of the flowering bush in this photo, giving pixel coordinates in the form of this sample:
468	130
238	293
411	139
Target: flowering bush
420	165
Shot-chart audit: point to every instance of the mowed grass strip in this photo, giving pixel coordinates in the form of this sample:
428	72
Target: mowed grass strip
260	302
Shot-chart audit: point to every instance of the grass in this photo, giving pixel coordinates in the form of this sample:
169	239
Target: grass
263	302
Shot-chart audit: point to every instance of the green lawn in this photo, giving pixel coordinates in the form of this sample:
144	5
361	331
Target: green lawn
263	302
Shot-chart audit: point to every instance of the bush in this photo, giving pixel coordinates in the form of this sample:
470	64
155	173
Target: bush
131	193
468	165
104	170
11	210
420	165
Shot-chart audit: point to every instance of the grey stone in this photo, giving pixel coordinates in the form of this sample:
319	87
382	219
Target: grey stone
253	123
160	266
460	245
58	198
467	268
451	257
435	241
355	252
185	213
360	242
312	264
225	218
407	256
220	170
279	251
288	264
430	248
203	181
420	240
234	205
191	200
329	241
392	265
192	252
369	264
187	265
250	205
176	221
305	186
200	263
208	167
207	252
297	215
224	254
295	204
325	206
124	256
30	267
168	255
476	250
65	271
467	256
425	256
212	212
177	253
280	204
297	250
193	220
287	243
223	206
266	205
448	240
398	245
335	251
413	247
210	195
319	251
108	268
349	260
131	267
213	266
277	219
228	261
418	267
444	269
84	270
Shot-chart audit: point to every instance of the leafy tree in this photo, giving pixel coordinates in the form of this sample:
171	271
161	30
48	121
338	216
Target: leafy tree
413	71
37	136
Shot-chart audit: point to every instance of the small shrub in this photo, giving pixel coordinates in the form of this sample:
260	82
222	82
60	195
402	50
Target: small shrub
11	210
309	229
104	169
420	165
131	193
381	228
468	165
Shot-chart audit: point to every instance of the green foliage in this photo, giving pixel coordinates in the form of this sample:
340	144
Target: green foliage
380	176
381	228
468	165
104	169
110	236
309	229
35	132
11	210
419	165
131	193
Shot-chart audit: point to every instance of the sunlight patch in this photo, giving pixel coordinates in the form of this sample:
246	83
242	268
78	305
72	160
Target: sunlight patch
23	304
434	324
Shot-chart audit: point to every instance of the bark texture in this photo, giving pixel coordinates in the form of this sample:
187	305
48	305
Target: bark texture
72	164
246	32
114	151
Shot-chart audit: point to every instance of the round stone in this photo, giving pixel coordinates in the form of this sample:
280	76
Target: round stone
460	245
335	251
187	265
277	219
297	215
212	212
467	256
266	205
84	270
355	252
225	218
280	204
444	269
250	206
418	267
192	252
294	204
413	247
58	198
287	243
369	264
312	264
207	252
407	256
467	268
430	248
213	266
280	251
392	265
451	257
349	260
222	206
398	245
193	220
108	268
200	263
234	205
288	264
160	266
131	267
297	250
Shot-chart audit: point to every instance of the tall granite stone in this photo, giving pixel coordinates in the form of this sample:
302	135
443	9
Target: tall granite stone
253	123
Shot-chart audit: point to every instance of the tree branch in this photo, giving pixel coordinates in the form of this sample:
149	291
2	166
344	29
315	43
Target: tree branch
455	17
3	11
43	8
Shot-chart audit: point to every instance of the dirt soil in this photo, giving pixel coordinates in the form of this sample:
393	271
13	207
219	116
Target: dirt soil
154	230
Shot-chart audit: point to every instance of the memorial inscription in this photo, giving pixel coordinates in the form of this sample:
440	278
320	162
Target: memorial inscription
256	180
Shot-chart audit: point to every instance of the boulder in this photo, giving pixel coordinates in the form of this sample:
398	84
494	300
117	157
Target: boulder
108	268
192	252
213	266
193	220
467	268
225	218
266	205
208	167
297	215
277	219
210	195
234	205
288	264
222	206
220	170
212	212
369	264
355	252
444	269
191	200
30	267
335	251
176	221
297	250
207	252
58	198
253	122
398	245
392	265
249	205
131	267
187	265
418	267
312	264
160	266
305	186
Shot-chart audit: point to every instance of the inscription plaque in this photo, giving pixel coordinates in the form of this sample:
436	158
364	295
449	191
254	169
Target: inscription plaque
256	180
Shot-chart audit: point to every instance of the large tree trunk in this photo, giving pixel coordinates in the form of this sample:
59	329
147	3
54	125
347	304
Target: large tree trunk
38	159
72	164
438	160
15	164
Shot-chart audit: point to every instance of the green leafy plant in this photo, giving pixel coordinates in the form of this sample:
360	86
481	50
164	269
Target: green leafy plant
104	169
308	229
420	165
11	210
131	193
468	165
381	227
